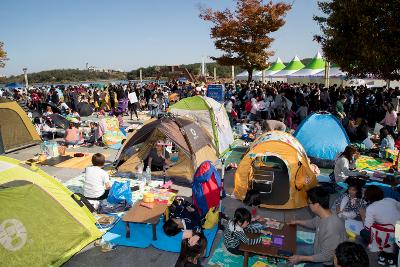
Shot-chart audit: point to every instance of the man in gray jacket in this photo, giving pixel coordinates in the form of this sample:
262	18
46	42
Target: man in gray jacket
329	230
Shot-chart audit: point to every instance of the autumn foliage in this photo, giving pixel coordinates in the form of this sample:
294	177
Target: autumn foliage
3	55
243	34
362	37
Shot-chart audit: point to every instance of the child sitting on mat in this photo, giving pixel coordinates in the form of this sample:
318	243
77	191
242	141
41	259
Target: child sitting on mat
235	232
182	216
97	182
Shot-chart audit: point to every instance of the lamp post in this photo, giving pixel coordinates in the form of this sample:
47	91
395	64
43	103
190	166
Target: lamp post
25	76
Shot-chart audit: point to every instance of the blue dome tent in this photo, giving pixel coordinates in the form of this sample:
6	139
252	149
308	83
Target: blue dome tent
323	137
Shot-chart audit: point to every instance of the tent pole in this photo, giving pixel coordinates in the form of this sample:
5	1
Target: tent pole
220	226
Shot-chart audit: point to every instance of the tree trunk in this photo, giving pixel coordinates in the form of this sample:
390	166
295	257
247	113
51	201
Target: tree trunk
250	77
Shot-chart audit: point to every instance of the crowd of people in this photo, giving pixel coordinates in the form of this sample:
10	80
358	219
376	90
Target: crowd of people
252	109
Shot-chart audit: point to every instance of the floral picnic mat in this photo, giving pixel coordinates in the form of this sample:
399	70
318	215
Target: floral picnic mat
161	195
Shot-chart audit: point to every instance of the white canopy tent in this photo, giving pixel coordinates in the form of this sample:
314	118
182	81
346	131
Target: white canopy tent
245	75
275	67
294	66
333	73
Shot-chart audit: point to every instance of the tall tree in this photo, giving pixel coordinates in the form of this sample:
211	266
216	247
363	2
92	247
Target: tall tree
362	37
243	34
3	55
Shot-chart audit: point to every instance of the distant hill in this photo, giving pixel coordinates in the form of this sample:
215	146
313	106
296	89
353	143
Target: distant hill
195	69
65	76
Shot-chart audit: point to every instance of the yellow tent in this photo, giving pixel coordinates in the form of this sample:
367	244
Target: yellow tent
277	162
40	223
16	129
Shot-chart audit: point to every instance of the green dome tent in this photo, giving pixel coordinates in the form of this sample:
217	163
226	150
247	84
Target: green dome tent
40	223
294	66
211	115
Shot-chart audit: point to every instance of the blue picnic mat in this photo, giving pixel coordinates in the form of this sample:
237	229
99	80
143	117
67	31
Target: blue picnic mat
142	237
173	243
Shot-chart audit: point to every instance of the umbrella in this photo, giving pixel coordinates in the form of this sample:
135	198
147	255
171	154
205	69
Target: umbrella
53	107
84	109
59	121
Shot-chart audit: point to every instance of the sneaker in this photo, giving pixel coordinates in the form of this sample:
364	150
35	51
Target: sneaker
391	260
382	258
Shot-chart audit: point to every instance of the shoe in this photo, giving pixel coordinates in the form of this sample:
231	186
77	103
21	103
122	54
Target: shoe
107	247
97	243
382	258
391	260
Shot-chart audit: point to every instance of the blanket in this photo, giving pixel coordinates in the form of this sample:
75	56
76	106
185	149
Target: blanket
160	195
372	164
142	237
222	257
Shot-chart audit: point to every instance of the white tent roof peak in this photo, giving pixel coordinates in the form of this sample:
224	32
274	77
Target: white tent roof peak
296	58
318	55
279	60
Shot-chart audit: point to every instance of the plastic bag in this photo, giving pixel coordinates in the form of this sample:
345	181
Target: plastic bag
382	238
119	192
212	218
105	207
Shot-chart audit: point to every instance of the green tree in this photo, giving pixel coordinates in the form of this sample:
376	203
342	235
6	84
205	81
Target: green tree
362	37
244	34
3	55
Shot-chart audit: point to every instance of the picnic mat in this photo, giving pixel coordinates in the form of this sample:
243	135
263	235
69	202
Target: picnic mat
56	160
141	236
372	164
76	162
161	195
67	161
104	227
173	243
222	257
237	150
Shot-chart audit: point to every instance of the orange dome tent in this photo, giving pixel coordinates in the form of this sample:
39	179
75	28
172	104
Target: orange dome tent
278	160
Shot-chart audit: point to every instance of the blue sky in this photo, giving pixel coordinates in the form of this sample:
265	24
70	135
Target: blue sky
127	34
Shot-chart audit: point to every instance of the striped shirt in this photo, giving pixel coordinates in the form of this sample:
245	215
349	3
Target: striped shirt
235	234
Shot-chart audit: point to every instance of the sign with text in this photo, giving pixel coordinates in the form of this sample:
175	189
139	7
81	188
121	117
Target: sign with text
216	92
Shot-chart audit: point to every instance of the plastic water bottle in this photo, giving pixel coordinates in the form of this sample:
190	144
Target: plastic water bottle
148	175
140	170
